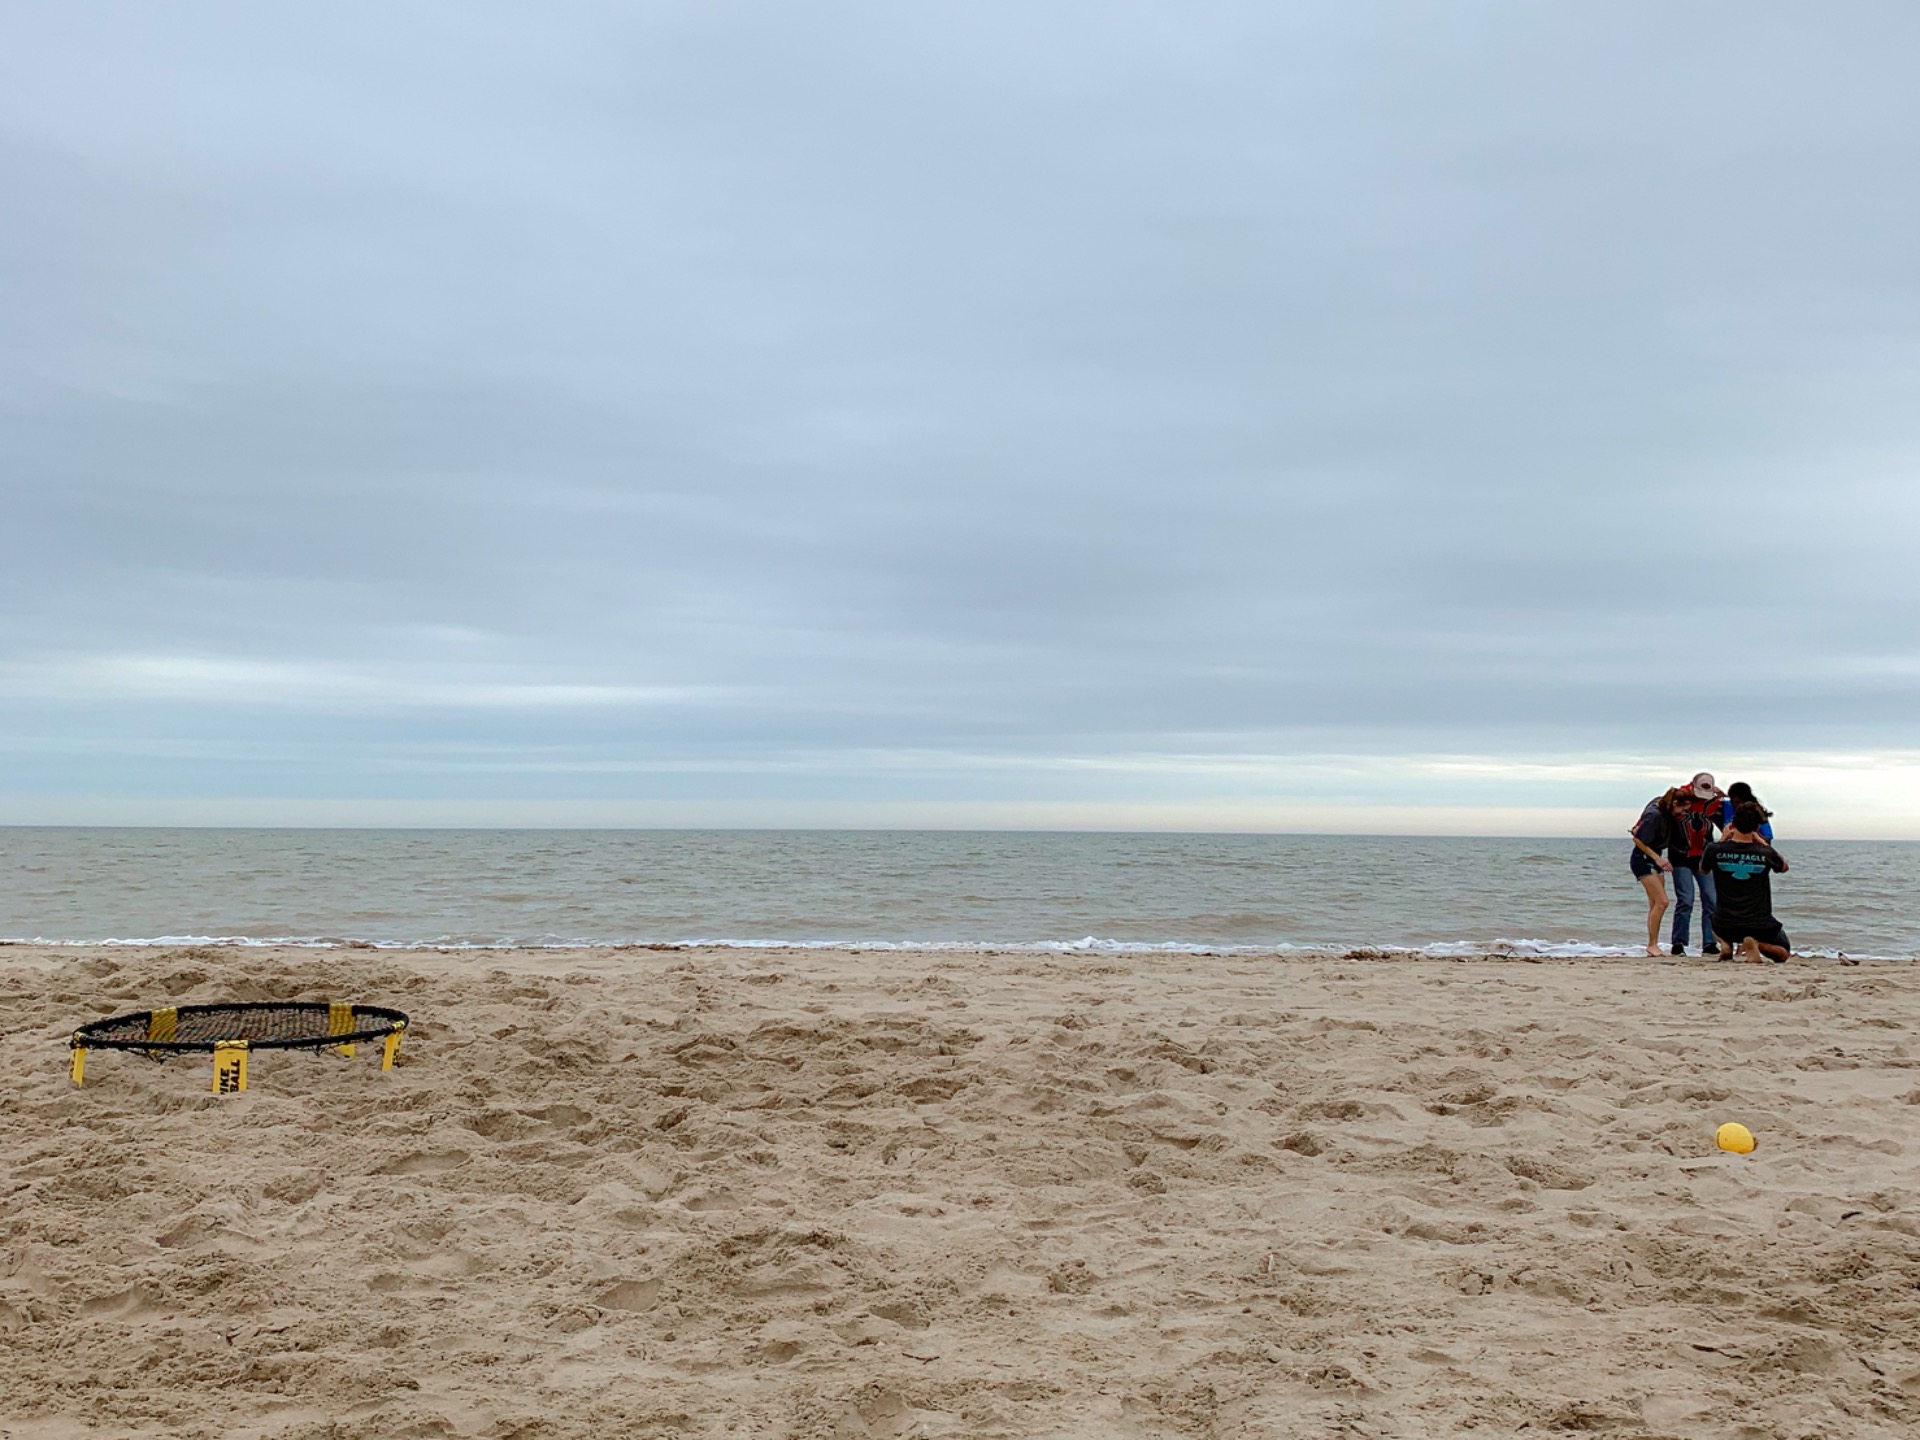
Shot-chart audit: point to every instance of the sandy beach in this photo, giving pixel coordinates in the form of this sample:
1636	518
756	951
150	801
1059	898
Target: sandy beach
816	1193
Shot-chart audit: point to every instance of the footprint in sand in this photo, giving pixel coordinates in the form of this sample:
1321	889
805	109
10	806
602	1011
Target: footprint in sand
134	1304
422	1162
634	1295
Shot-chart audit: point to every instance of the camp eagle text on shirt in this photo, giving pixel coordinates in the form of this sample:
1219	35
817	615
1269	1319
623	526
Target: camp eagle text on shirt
1745	889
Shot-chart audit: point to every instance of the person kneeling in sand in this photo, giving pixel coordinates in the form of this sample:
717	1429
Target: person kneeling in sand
1741	864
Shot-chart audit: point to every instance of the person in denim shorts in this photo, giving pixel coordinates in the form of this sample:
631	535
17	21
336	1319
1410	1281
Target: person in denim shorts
1650	835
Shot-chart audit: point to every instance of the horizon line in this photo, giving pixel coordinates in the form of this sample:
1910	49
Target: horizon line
710	829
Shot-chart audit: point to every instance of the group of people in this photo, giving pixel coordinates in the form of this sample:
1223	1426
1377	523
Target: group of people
1730	875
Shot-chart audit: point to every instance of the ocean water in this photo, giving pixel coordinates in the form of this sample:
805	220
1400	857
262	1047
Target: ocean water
1045	891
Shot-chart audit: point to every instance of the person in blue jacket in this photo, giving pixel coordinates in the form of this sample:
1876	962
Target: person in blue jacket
1739	793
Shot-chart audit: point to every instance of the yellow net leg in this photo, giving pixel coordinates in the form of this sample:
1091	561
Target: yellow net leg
229	1067
163	1024
392	1047
79	1070
340	1022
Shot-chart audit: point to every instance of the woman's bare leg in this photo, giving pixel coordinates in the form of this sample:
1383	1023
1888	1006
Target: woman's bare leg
1656	888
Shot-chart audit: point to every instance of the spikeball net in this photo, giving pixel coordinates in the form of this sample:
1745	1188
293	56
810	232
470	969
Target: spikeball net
231	1032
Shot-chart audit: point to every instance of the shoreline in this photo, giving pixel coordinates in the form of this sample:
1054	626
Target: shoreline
812	1193
1524	950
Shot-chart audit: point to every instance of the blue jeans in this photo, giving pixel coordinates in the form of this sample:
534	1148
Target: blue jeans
1684	881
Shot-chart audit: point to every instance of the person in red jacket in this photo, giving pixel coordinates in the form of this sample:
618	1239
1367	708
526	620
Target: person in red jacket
1696	810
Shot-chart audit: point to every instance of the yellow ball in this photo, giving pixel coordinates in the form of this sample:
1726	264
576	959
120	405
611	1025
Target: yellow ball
1735	1137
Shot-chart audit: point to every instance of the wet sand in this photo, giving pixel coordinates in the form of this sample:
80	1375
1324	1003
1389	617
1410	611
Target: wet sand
823	1194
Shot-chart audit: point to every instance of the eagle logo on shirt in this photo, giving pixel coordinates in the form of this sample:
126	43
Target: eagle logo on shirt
1741	868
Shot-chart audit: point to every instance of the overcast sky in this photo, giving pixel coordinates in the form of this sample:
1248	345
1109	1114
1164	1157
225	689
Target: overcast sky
1264	416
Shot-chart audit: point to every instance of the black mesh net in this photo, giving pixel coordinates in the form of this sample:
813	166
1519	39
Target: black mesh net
294	1025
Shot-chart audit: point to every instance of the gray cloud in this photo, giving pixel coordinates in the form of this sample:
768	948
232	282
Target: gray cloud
616	390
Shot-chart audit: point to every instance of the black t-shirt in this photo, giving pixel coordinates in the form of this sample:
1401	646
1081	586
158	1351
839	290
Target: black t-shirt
1743	890
1652	829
